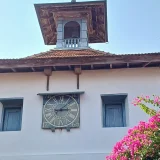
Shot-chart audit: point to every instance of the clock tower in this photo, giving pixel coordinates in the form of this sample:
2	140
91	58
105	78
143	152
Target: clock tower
73	25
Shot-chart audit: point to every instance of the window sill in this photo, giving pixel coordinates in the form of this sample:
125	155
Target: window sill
115	127
10	131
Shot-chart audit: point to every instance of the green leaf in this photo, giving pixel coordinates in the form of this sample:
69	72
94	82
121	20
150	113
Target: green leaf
147	110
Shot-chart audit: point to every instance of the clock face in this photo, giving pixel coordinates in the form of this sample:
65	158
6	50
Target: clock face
61	111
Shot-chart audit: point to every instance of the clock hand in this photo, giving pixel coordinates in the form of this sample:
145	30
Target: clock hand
64	106
64	109
61	108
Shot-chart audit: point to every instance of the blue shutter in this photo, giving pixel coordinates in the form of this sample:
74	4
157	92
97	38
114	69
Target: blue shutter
114	116
12	119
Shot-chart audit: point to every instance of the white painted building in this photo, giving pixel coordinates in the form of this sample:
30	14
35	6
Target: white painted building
71	103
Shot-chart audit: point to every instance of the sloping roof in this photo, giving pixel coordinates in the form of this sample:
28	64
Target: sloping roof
69	54
88	59
95	12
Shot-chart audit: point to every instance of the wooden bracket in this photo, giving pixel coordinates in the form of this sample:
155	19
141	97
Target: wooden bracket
77	71
48	73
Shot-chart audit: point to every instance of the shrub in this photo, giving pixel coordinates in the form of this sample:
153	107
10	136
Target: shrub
143	141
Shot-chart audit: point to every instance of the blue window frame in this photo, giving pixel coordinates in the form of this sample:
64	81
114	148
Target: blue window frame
12	119
12	114
114	114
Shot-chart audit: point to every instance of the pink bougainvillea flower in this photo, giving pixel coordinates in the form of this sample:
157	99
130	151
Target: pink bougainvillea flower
139	137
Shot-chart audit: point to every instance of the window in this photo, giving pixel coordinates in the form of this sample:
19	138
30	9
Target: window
114	110
11	115
71	30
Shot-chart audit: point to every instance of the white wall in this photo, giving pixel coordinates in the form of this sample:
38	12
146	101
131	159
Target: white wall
90	141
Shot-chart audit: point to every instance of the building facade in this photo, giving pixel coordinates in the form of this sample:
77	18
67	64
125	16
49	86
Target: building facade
91	140
73	102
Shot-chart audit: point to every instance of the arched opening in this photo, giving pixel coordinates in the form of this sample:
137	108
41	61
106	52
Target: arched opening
71	30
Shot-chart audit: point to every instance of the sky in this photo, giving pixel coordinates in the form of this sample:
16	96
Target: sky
133	27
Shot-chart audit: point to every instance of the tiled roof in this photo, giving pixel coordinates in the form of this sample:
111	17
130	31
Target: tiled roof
86	58
69	54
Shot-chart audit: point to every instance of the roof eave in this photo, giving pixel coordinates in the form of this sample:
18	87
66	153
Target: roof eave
104	62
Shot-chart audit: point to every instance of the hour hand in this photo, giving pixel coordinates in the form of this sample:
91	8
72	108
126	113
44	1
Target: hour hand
62	109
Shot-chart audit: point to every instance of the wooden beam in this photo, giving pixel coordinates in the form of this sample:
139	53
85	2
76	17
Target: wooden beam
77	81
13	69
146	64
47	86
33	69
48	71
77	70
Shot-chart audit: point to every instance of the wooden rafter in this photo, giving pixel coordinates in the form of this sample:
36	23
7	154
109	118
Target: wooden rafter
33	69
13	69
146	64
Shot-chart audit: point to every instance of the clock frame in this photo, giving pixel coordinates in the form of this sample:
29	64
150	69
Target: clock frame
61	111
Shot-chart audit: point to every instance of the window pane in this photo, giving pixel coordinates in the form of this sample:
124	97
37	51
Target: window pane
12	119
114	116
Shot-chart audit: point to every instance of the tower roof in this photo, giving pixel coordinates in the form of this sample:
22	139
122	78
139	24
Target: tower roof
94	12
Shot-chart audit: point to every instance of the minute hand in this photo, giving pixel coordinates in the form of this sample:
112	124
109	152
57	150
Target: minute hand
61	107
64	106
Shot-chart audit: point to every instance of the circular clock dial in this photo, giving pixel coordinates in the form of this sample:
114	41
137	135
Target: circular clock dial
61	111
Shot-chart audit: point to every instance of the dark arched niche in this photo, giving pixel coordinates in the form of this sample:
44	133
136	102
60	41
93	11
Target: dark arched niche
71	30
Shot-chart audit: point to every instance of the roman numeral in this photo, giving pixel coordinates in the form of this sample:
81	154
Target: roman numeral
67	100
67	121
60	123
61	99
55	100
48	109
74	110
52	120
71	115
48	115
71	104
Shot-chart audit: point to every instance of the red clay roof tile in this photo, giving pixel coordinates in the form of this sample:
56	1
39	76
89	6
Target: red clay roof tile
69	53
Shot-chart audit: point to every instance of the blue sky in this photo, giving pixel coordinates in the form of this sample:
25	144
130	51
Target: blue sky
133	27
